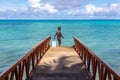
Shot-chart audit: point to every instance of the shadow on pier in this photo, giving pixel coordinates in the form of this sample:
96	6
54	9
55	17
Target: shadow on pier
61	66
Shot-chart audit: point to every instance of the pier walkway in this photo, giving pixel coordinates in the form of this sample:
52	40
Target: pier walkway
61	63
43	62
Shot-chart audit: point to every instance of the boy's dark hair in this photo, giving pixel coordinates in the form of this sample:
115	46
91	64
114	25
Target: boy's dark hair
59	28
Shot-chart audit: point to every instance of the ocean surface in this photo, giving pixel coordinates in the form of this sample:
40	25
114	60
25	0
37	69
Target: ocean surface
17	37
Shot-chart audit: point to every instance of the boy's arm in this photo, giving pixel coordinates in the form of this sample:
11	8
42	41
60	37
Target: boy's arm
62	35
54	35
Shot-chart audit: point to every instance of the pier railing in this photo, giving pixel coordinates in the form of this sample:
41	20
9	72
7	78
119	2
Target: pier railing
97	68
23	68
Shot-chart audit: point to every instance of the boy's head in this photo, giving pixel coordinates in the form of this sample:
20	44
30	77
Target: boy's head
59	28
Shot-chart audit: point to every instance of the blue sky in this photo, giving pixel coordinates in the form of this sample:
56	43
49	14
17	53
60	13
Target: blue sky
59	9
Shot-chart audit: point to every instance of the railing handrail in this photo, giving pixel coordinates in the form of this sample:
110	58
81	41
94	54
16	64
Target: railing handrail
79	44
44	44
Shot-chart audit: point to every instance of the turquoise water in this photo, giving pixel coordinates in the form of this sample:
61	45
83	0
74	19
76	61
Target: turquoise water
17	37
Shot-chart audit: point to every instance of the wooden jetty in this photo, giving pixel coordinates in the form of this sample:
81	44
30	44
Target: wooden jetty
61	63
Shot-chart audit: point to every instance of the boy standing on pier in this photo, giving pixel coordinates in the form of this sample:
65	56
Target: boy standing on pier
59	35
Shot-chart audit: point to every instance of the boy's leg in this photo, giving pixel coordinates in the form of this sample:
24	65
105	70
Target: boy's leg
59	42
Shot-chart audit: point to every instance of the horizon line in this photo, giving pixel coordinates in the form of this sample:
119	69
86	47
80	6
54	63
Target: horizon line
59	19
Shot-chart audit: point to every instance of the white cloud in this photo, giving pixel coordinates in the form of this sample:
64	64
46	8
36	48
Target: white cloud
109	10
34	3
65	4
67	9
36	10
37	6
114	7
49	8
91	9
74	12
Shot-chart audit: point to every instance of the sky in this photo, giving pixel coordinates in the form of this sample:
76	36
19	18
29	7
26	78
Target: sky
59	9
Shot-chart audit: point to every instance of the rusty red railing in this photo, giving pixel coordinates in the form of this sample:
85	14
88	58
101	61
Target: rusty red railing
24	67
98	69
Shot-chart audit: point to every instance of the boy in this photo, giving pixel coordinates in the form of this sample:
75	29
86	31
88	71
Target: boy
59	35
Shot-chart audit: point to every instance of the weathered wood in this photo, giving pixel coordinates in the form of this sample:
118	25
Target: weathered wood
61	63
23	66
104	71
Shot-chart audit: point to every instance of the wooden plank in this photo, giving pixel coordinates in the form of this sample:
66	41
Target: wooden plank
61	63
